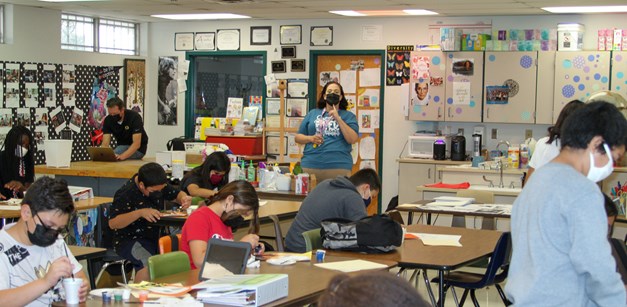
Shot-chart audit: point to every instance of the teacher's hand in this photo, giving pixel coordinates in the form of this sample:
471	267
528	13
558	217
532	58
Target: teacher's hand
335	113
316	139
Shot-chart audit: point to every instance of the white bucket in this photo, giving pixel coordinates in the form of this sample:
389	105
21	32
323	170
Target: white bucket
283	183
58	153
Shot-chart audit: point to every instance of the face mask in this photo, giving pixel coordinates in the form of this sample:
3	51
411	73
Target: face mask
43	236
333	99
367	200
155	196
116	118
597	174
216	179
21	151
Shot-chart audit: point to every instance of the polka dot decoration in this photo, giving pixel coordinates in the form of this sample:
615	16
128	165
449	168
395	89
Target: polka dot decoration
492	58
436	60
567	64
618	58
417	108
579	62
525	115
568	91
526	61
449	100
472	104
436	98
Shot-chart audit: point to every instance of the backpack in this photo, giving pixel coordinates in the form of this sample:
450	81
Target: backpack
178	143
373	234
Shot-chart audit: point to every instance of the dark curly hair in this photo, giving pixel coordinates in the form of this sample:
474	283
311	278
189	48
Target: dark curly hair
48	194
322	103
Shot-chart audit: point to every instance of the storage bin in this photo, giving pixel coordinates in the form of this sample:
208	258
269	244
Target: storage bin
58	153
240	145
570	37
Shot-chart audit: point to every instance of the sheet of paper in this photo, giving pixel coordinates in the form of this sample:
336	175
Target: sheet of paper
328	76
367	148
404	99
297	88
366	121
438	239
367	164
7	207
352	103
351	265
355	151
461	93
368	98
451	203
348	80
182	85
370	77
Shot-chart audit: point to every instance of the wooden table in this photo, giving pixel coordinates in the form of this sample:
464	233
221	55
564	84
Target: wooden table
103	177
79	205
476	244
89	254
411	210
281	195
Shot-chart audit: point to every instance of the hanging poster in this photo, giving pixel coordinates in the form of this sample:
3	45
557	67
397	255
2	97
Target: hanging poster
100	93
31	95
420	92
50	98
398	65
57	120
461	93
6	118
498	94
463	67
23	117
12	78
134	84
69	81
41	117
234	107
76	121
167	91
328	76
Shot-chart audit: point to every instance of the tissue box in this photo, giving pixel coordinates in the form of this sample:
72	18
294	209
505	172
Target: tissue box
166	157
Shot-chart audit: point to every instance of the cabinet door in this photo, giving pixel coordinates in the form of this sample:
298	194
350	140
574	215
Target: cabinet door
619	72
510	94
426	97
410	176
464	86
579	74
546	86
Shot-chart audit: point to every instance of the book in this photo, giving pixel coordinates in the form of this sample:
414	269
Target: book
243	289
250	115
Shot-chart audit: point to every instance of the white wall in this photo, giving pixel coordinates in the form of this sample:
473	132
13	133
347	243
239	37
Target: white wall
34	36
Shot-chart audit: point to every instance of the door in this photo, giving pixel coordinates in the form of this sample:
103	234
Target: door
579	74
510	94
464	86
427	89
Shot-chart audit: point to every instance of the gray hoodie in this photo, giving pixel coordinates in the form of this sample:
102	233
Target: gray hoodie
332	198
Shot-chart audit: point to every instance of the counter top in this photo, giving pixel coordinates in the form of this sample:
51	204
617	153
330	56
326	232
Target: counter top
505	192
468	169
430	161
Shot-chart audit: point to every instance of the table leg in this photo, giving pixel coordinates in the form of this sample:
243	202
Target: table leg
410	217
441	288
428	218
92	273
428	286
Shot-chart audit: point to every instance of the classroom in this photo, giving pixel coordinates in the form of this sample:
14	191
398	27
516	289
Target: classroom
499	74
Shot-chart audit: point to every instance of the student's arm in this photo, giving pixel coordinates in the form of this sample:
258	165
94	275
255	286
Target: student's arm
197	249
106	140
195	190
125	219
184	199
29	292
530	171
137	142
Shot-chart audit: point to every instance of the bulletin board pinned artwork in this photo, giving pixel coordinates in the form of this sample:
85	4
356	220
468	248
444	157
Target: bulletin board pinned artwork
398	65
134	84
167	91
359	73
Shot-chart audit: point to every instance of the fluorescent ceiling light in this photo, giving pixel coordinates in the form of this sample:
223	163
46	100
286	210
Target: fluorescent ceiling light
586	9
347	13
201	16
384	13
73	0
419	12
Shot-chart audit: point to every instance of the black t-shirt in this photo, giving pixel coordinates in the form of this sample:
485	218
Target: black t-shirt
9	173
123	133
129	198
194	178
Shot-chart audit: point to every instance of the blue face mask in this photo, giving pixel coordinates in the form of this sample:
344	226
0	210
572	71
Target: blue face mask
367	201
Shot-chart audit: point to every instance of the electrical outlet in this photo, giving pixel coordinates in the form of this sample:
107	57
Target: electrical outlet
528	134
460	131
494	133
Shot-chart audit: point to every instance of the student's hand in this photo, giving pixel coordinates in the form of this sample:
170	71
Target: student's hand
186	201
316	139
252	238
60	268
259	249
2	196
82	292
150	215
15	186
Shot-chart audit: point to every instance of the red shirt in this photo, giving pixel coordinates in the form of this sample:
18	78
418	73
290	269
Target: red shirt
203	224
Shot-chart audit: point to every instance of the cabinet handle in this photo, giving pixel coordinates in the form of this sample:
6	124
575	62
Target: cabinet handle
439	113
487	112
429	173
449	111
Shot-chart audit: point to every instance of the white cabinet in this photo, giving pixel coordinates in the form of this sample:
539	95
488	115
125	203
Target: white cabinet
427	78
464	86
545	88
410	176
510	87
619	72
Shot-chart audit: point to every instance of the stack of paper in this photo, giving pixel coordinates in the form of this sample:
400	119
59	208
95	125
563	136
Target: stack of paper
243	290
433	239
351	265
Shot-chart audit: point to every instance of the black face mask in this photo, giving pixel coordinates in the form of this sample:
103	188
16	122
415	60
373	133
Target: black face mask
333	99
155	196
43	236
116	118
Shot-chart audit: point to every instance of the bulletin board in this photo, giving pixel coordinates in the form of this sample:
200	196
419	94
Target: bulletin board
361	75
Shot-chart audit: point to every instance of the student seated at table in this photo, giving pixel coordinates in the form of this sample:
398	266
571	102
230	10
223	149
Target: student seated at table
127	127
370	289
134	211
17	167
341	197
205	180
237	198
34	257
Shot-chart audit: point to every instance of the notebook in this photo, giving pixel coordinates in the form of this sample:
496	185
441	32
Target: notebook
102	154
224	258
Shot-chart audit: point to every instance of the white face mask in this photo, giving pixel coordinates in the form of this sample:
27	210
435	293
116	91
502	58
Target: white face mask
21	153
597	174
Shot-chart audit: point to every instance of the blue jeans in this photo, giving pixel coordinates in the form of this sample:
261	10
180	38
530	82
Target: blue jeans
122	148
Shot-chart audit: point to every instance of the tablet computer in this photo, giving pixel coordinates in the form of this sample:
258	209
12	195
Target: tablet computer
102	154
224	258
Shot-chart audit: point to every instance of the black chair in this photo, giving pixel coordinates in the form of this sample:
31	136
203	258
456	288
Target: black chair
278	233
113	267
619	250
499	261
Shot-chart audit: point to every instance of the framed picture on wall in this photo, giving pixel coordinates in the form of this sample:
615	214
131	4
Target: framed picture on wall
205	41
261	35
298	65
134	84
321	36
184	41
288	52
273	145
228	39
290	35
278	66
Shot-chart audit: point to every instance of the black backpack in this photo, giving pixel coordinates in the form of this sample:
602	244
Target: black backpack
373	234
177	144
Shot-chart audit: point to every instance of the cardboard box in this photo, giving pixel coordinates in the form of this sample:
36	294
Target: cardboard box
450	39
570	37
166	157
601	40
618	39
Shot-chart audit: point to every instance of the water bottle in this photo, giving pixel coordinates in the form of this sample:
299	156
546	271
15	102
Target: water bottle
234	172
177	169
251	172
242	171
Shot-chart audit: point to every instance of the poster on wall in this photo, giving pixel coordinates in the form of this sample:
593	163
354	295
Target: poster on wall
76	121
23	117
41	117
69	81
100	93
167	91
134	85
398	65
6	118
12	79
57	120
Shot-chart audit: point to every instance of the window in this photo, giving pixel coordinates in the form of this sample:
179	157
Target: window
99	35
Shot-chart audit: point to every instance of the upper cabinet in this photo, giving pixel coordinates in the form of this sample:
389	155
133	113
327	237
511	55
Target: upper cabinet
619	72
427	91
464	86
510	87
545	88
578	74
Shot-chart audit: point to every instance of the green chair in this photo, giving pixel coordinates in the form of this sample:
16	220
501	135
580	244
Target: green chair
196	200
312	239
168	264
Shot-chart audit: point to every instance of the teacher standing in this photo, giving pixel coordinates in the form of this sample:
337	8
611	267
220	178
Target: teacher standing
328	131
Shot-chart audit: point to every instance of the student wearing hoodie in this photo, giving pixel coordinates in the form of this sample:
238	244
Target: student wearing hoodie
341	197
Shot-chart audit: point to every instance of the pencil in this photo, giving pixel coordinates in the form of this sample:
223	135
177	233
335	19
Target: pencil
67	255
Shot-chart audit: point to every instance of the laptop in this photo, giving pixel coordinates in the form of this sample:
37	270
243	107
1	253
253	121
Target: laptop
102	154
224	258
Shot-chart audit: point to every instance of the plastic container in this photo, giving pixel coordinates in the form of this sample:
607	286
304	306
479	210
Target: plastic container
242	172
524	156
283	182
234	173
570	37
251	172
58	153
513	157
178	168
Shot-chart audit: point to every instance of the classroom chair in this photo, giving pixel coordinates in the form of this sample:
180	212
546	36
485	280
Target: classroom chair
278	233
313	240
485	197
113	268
473	281
169	243
168	264
196	200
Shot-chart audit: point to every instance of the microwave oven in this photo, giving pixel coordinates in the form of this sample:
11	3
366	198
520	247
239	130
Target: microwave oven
421	146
